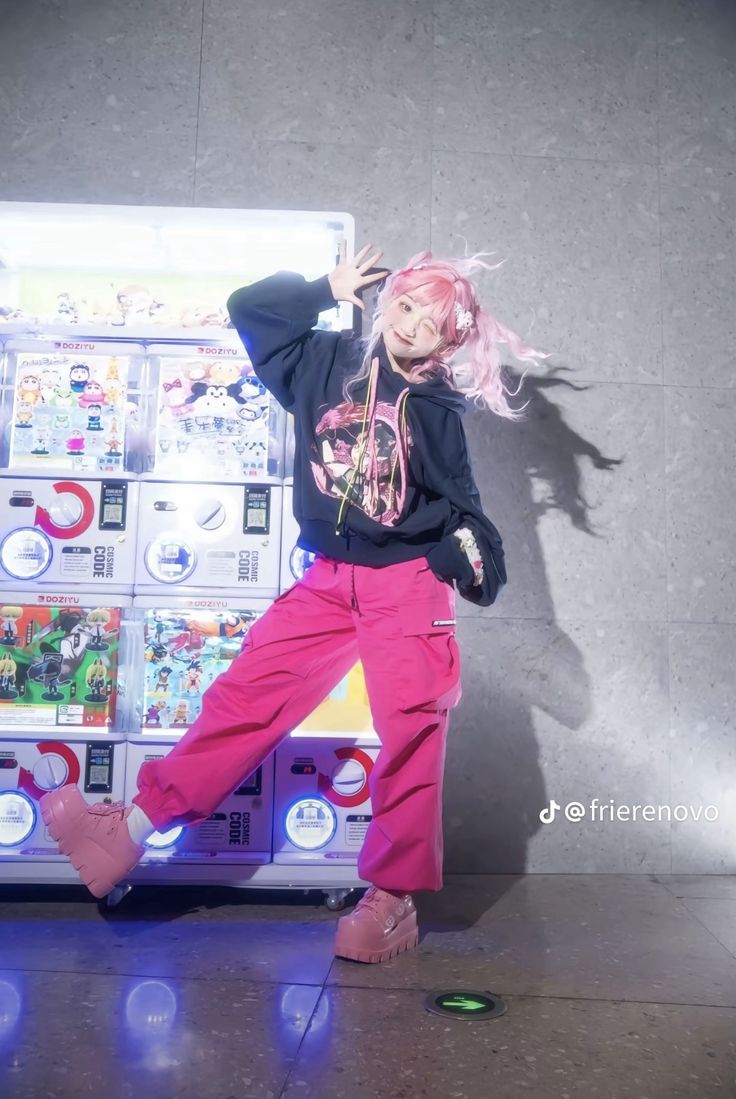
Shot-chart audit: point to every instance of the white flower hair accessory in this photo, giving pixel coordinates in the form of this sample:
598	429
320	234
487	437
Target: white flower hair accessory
463	318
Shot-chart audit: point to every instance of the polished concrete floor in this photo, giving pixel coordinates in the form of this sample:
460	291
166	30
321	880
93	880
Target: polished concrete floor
615	986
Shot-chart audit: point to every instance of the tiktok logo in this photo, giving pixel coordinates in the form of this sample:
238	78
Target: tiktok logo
548	815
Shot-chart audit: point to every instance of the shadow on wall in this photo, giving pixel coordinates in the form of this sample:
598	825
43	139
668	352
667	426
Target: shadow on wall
494	789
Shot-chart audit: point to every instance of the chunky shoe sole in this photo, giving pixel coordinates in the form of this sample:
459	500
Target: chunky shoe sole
61	810
357	954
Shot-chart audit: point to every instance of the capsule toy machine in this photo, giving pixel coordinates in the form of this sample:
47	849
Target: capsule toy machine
63	712
206	569
322	806
68	498
194	468
69	452
210	493
184	644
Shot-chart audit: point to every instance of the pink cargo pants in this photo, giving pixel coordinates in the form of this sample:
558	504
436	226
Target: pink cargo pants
399	620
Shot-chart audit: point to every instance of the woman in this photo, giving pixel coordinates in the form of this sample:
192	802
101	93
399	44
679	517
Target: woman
385	498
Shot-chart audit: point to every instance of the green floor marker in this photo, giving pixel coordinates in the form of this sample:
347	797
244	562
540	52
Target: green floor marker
464	1004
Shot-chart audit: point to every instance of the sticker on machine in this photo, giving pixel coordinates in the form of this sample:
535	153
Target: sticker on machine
76	562
356	826
71	715
222	564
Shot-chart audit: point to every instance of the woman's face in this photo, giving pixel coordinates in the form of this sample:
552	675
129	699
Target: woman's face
405	317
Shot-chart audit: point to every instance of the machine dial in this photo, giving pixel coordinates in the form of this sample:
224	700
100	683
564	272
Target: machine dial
348	777
50	771
65	510
210	514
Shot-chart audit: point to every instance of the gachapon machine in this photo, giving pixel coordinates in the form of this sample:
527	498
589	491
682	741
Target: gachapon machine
200	538
64	660
214	419
184	644
70	406
145	457
67	533
70	448
210	493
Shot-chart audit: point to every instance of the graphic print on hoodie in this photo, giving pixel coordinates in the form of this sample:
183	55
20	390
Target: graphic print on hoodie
366	464
384	477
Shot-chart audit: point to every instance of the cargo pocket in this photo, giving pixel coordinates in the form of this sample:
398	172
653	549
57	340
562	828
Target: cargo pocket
431	653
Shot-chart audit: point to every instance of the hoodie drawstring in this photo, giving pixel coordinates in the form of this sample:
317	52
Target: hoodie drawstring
369	441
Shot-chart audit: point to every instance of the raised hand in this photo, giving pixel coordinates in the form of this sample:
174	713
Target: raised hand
348	276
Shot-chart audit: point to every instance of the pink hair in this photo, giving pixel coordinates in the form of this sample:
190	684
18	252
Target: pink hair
441	284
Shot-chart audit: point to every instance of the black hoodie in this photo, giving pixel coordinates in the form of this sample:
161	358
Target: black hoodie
413	487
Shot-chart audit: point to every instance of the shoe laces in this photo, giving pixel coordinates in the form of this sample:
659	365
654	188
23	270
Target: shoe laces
376	903
102	809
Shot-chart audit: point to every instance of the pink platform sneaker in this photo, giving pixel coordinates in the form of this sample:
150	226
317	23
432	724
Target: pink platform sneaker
95	837
379	927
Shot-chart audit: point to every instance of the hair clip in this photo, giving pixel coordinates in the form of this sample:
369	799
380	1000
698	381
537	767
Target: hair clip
463	318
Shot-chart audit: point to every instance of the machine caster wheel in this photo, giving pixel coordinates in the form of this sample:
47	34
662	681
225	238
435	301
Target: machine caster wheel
114	897
336	898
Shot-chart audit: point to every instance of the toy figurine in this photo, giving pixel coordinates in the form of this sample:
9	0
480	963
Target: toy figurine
162	682
24	414
193	677
98	619
41	441
134	302
93	394
29	389
96	680
181	713
113	447
159	626
75	444
48	670
7	677
155	651
64	397
10	616
49	381
225	373
78	377
114	392
94	412
66	309
154	712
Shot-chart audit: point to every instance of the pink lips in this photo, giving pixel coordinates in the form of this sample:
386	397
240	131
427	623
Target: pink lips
407	342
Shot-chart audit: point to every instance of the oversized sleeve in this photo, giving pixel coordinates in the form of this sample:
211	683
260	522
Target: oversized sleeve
275	319
450	474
